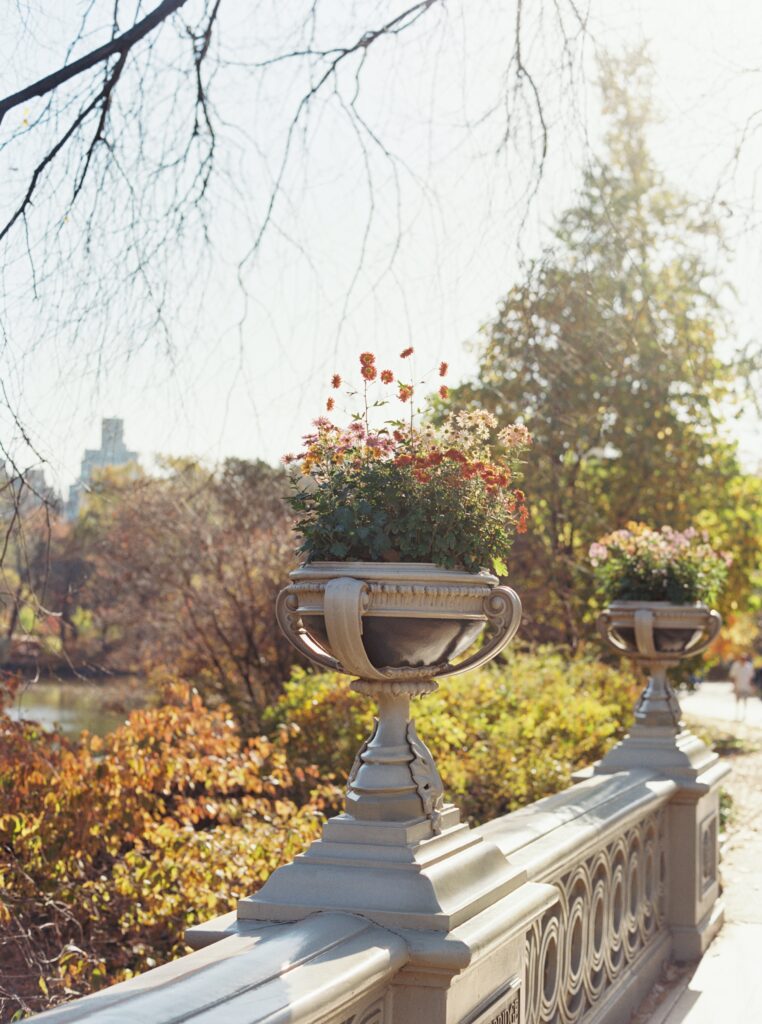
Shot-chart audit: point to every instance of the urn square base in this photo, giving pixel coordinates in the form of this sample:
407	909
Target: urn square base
397	874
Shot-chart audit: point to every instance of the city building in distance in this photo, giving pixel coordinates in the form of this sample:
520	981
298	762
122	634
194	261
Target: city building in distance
112	452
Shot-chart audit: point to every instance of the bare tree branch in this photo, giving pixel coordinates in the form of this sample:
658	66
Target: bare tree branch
121	44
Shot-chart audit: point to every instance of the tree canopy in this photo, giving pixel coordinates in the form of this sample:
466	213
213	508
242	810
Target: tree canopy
612	353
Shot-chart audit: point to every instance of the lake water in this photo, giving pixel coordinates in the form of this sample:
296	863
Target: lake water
98	705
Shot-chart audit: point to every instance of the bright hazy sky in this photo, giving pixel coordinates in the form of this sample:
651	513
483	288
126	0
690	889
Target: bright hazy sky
253	392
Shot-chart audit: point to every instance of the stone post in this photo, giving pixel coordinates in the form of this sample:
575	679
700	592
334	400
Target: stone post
659	740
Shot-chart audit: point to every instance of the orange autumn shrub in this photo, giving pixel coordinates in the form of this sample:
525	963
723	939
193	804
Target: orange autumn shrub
110	848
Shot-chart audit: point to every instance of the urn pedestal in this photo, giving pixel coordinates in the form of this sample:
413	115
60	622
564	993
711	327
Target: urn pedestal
658	635
399	855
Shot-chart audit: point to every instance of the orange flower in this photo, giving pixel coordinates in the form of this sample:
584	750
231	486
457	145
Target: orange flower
443	369
455	455
520	496
444	391
336	381
405	393
367	359
369	371
523	517
387	376
329	405
421	477
406	352
403	460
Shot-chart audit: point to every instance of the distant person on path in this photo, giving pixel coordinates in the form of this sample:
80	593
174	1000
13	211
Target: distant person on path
742	677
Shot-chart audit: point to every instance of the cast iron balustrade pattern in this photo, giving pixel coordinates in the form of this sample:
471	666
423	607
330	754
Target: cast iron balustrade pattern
612	906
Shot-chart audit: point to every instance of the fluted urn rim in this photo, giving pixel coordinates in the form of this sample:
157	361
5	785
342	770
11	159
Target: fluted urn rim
658	630
383	620
391	571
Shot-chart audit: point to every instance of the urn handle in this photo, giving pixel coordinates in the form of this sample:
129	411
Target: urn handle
712	629
345	599
287	614
502	606
603	624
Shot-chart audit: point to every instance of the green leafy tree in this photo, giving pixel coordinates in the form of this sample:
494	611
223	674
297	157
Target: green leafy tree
609	352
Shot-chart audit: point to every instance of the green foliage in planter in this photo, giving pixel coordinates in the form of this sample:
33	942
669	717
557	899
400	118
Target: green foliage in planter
502	737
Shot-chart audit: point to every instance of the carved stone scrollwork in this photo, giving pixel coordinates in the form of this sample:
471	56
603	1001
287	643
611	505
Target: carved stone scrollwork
356	764
427	779
411	687
611	908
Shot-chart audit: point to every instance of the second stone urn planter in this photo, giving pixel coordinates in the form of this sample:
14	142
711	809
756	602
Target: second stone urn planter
658	635
398	854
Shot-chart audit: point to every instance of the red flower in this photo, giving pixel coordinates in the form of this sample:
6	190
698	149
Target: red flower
367	359
369	371
443	369
336	381
398	436
421	477
387	376
403	460
405	393
454	454
523	516
329	405
444	391
406	352
520	496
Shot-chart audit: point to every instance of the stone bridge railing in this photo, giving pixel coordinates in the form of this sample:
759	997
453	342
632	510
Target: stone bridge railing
619	873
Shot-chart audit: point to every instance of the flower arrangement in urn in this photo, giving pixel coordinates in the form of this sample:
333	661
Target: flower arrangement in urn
658	585
400	492
638	563
419	515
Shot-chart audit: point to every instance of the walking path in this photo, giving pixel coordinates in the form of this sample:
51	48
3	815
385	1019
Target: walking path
726	985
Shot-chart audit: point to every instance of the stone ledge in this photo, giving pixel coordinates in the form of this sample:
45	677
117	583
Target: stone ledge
314	969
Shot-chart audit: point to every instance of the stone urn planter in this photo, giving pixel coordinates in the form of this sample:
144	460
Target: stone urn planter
658	635
395	626
386	621
398	854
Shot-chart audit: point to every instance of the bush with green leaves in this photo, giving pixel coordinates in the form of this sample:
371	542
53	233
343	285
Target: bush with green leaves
503	736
